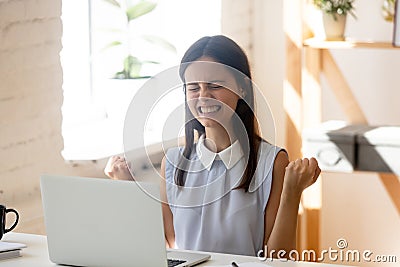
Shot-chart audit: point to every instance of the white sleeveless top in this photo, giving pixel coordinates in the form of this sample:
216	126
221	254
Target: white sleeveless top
207	214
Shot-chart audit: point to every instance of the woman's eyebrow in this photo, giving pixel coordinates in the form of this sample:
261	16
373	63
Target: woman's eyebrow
192	83
208	82
216	81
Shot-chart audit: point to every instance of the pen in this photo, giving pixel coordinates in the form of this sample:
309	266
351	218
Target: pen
234	264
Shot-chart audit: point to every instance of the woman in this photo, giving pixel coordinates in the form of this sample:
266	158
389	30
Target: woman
230	191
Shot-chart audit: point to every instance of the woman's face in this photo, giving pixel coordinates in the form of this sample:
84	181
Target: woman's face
211	92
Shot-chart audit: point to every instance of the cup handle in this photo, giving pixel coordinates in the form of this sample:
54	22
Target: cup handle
16	220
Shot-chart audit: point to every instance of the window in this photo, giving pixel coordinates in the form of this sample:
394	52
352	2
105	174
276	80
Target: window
90	129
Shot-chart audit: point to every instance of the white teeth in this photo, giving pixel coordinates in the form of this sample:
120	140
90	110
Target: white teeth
209	109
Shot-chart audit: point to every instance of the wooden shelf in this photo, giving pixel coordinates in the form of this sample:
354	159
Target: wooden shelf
347	44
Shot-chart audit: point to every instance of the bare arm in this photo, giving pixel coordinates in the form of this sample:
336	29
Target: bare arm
288	184
166	211
271	210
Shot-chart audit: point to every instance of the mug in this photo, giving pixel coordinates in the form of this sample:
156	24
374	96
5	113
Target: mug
3	213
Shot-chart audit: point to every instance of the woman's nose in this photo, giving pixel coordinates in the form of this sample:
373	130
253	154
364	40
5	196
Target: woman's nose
204	92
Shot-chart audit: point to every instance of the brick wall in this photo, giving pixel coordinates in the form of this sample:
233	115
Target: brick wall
30	106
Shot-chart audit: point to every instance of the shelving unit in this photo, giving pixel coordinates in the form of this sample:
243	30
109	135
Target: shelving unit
318	52
318	59
306	60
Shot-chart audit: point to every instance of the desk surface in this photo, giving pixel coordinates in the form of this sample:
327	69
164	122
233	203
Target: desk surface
35	255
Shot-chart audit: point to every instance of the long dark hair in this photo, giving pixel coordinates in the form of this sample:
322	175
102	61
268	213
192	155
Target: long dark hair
225	51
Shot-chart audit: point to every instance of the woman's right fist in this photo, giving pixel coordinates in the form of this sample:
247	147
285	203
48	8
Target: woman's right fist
300	174
117	168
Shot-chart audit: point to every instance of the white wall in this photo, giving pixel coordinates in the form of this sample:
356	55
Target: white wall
268	62
259	31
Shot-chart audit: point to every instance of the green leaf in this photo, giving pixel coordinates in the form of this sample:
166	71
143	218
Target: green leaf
150	62
112	30
340	7
113	2
120	75
112	44
140	9
135	71
160	41
132	67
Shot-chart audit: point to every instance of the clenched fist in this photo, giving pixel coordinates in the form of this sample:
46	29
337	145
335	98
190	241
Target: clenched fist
300	174
117	168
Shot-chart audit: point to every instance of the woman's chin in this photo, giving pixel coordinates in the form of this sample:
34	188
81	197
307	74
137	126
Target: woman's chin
208	122
213	123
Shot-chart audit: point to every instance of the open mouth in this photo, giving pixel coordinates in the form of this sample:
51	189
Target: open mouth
204	110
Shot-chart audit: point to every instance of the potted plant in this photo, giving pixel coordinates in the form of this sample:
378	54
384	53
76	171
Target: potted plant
334	15
129	77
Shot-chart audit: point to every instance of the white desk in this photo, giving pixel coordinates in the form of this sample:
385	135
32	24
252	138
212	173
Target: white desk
36	255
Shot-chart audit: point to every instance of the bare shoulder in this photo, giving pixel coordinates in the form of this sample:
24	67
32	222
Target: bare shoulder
163	165
281	160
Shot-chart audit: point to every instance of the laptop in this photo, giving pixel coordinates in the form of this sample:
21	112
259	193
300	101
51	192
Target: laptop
104	222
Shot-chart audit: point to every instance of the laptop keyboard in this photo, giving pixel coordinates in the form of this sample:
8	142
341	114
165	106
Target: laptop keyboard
172	262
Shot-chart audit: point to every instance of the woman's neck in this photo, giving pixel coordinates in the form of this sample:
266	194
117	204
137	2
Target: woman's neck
219	138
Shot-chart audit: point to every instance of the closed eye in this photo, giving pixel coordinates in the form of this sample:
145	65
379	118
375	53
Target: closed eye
214	86
193	88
